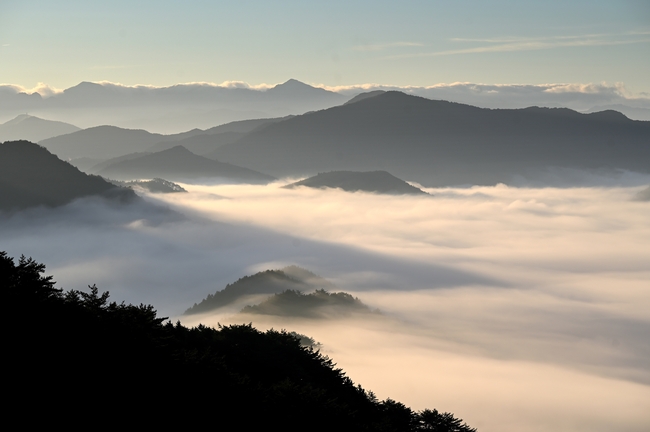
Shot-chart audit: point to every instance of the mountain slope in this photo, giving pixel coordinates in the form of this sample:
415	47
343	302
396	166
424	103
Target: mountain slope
104	142
352	181
32	176
291	278
438	143
178	163
34	129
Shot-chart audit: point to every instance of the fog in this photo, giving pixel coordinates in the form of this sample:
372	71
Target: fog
517	309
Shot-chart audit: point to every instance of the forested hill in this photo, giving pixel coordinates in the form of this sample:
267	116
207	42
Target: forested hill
267	282
79	356
32	176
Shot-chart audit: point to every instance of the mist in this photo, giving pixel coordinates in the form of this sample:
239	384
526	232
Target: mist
517	309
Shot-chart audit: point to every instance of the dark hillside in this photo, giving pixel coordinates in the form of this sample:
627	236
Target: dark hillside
79	357
32	176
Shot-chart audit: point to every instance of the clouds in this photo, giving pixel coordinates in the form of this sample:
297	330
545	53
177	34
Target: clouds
519	309
512	44
578	96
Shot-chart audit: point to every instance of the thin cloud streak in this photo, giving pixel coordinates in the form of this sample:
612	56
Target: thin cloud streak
519	46
380	47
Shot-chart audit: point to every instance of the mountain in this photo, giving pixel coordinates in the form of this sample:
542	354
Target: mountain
213	138
636	113
352	181
169	109
103	142
31	176
365	95
291	278
180	164
319	304
34	129
200	144
438	143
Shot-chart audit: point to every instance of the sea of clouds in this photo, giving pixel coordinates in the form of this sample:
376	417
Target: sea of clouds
517	309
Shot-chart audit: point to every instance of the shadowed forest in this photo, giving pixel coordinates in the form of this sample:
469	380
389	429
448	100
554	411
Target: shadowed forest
269	380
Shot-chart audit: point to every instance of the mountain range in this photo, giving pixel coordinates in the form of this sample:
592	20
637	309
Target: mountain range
169	109
438	143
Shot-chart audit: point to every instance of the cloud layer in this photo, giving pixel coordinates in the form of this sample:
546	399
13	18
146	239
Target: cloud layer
518	309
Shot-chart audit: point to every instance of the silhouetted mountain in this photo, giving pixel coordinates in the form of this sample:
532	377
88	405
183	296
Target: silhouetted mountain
352	181
268	282
156	185
34	129
169	109
439	143
31	176
319	304
178	163
103	142
96	349
643	195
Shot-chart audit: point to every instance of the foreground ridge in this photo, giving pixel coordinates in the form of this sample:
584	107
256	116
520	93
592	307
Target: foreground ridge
115	358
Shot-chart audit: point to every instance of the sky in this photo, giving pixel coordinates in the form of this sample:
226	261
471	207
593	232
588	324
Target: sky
335	43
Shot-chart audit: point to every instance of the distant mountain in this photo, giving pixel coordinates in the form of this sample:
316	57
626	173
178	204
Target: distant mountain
34	129
31	176
170	109
97	167
438	143
200	144
155	185
365	95
353	181
213	138
178	163
105	142
319	304
291	278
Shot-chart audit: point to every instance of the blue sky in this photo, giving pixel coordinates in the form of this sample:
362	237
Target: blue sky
333	43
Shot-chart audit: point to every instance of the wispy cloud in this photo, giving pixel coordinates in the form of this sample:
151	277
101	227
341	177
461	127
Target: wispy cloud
109	67
380	47
510	44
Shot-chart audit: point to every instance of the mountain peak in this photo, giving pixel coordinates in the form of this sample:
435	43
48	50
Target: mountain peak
18	119
293	88
293	83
